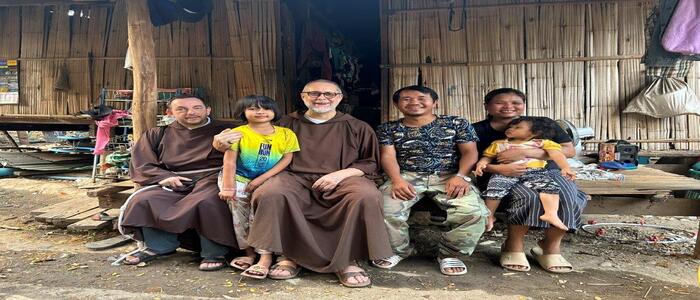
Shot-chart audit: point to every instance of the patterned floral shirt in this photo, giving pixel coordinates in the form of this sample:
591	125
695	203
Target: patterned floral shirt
429	148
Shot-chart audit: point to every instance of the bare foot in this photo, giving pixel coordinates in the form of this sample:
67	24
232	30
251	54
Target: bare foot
489	222
554	221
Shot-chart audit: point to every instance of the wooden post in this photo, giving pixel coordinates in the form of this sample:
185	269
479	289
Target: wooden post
142	50
697	246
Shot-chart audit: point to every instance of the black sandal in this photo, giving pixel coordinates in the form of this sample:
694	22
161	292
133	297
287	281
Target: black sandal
144	256
220	261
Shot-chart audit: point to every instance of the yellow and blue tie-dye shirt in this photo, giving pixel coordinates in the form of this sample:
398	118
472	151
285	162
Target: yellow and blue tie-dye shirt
258	153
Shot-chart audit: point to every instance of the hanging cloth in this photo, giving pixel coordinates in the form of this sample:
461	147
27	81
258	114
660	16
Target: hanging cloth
682	34
104	126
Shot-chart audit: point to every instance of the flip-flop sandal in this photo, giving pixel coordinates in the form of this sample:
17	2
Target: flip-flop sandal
551	261
515	259
343	278
256	271
392	260
293	270
219	262
242	262
145	256
451	262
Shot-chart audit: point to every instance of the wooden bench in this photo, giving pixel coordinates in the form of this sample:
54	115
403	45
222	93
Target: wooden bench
644	191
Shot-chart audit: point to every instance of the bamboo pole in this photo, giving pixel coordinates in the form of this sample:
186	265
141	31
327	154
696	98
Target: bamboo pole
141	43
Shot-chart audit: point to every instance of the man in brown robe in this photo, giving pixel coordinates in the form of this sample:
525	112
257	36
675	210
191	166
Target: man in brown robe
324	212
166	211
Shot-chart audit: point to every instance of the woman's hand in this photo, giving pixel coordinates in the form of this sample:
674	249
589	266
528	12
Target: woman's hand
568	174
510	156
510	170
223	140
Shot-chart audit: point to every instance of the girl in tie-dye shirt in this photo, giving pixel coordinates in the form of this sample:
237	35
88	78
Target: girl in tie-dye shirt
263	151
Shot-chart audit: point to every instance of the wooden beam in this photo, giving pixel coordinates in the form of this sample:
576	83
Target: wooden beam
640	206
43	119
511	5
143	56
511	62
54	2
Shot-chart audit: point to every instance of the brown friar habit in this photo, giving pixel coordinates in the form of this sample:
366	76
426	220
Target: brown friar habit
181	149
323	231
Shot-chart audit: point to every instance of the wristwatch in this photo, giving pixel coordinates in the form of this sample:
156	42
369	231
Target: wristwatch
465	177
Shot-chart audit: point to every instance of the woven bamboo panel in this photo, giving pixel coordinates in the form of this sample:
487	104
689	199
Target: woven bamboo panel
576	60
232	55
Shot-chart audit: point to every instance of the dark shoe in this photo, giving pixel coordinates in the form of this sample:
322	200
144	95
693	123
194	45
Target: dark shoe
219	263
144	256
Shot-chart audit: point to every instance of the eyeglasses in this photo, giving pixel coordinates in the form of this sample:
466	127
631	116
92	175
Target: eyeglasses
328	95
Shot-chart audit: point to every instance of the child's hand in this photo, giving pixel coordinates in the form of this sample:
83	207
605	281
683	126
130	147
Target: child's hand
254	184
228	194
568	174
479	170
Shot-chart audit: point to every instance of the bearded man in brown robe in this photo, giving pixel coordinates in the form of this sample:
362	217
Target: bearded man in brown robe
179	205
324	212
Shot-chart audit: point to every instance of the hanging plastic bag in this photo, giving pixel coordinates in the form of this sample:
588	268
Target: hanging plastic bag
682	34
665	97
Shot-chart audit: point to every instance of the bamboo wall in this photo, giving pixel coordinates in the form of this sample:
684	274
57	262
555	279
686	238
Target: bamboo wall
231	54
576	60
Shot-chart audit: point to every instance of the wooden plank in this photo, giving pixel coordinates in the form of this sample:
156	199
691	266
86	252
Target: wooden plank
87	225
46	209
107	190
63	222
72	208
640	206
618	191
680	169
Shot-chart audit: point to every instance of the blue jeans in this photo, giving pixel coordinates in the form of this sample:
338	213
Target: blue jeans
163	242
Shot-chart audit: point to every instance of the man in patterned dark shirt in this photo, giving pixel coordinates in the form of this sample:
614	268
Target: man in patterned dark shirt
425	153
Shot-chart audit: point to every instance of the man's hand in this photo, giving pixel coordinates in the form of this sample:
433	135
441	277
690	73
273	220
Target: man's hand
456	187
511	170
402	190
228	194
254	184
510	155
568	174
223	140
479	169
175	181
328	182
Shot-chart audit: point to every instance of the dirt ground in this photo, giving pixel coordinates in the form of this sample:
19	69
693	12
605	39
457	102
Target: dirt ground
38	261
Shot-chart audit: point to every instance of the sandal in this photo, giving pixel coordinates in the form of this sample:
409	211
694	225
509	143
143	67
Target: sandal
145	256
514	259
219	262
451	262
554	263
256	271
293	270
242	262
343	278
392	260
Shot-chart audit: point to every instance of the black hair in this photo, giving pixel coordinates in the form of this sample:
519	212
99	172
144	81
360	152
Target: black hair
493	93
541	127
263	102
418	88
